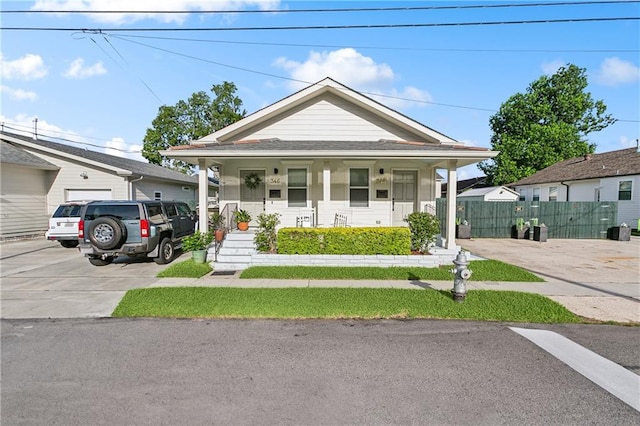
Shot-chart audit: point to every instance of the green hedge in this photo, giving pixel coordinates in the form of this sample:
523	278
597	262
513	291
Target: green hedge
375	240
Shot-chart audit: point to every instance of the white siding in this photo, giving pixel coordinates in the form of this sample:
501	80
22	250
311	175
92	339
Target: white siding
23	208
146	188
628	210
584	190
377	214
328	118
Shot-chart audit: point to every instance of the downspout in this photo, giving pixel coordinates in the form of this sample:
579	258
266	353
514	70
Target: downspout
131	186
562	183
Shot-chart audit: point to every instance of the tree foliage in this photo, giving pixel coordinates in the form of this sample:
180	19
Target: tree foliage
189	120
547	124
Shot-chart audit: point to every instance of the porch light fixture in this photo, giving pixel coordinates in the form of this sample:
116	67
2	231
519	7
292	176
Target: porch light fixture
275	171
381	171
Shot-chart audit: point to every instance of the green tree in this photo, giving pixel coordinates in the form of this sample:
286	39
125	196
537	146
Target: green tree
547	124
189	120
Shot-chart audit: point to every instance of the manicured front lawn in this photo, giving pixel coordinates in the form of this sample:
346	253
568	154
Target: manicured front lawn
364	303
185	269
483	270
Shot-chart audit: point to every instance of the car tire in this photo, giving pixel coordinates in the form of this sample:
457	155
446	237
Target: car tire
69	243
98	261
166	251
107	233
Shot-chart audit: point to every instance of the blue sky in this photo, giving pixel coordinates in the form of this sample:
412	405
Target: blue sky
104	89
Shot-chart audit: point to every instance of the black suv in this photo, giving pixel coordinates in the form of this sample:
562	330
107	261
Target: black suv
153	228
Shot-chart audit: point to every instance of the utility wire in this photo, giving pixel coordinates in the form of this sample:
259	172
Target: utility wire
429	49
331	27
333	10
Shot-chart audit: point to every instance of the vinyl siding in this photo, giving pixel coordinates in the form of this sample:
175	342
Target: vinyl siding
23	209
327	118
145	189
377	214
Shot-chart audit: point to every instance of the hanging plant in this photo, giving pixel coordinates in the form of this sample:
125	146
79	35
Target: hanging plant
252	180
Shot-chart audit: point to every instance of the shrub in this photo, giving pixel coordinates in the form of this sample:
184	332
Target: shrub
197	241
266	238
365	241
424	227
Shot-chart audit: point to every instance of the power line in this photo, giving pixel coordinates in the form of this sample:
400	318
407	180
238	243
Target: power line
395	48
332	10
329	27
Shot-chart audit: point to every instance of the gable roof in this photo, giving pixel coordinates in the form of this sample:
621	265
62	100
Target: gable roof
623	162
316	90
477	192
10	154
119	165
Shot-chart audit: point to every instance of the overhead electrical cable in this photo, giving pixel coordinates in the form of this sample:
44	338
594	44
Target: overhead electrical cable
330	27
334	10
394	48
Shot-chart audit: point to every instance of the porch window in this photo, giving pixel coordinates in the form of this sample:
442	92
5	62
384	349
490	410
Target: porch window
359	187
624	190
553	193
297	187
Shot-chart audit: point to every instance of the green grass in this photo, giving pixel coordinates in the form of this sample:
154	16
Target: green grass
335	303
483	270
185	269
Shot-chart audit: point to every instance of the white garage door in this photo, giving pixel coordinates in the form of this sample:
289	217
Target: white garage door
88	194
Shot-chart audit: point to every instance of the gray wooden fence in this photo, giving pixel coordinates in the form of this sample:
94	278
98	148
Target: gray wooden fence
564	219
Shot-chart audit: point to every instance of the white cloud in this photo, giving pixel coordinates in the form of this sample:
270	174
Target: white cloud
550	68
28	67
24	124
78	70
353	69
19	94
615	71
146	5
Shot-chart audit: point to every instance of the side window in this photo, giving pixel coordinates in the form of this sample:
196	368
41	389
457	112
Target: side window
624	190
155	213
523	195
171	210
157	195
553	193
183	210
359	187
536	194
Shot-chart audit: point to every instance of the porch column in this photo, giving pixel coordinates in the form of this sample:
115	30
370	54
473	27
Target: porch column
452	189
324	214
203	196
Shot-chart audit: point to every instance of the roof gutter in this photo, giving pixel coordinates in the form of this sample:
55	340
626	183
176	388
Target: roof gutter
562	183
131	186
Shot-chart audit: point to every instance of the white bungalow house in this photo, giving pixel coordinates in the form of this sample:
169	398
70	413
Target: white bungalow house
609	176
490	193
38	174
329	150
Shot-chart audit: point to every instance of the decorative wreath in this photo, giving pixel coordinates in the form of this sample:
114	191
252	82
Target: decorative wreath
252	180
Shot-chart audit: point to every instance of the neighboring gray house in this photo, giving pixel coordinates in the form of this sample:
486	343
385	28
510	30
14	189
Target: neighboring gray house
609	176
492	193
328	150
38	175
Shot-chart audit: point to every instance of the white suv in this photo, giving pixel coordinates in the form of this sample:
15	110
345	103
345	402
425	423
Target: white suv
63	224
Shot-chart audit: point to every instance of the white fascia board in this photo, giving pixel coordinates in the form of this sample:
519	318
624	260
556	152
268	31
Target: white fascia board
55	152
328	154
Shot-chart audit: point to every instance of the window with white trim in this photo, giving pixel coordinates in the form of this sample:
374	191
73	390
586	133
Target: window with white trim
523	194
157	195
358	187
536	194
553	193
624	190
297	187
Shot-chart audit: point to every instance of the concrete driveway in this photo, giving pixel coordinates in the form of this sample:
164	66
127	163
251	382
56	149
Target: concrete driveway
42	279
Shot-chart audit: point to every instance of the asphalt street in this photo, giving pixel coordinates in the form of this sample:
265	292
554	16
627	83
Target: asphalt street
145	371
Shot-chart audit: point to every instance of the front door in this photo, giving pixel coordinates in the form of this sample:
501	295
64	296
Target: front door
404	196
252	195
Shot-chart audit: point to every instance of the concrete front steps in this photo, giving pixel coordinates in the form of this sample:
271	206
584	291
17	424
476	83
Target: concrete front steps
236	251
